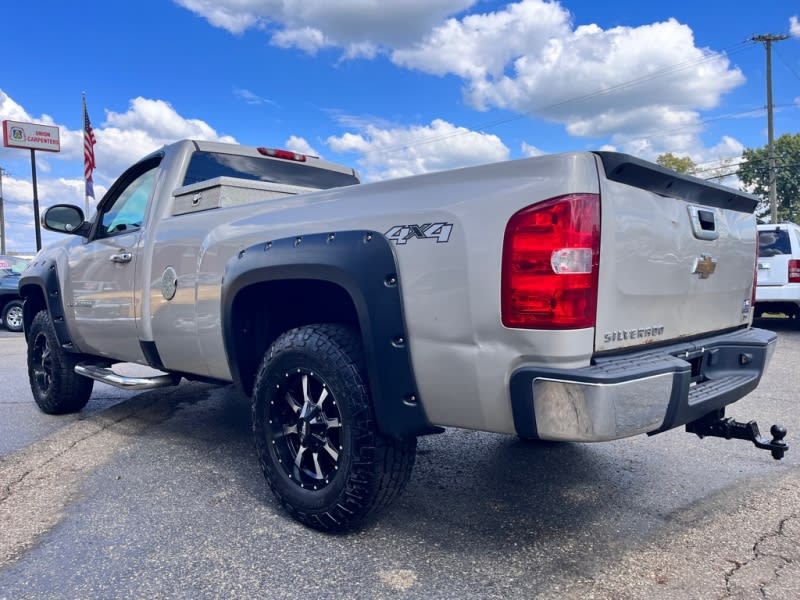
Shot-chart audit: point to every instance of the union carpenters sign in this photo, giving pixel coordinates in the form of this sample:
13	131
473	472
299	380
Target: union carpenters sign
31	135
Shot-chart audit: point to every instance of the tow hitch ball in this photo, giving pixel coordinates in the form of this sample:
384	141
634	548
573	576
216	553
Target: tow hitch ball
716	425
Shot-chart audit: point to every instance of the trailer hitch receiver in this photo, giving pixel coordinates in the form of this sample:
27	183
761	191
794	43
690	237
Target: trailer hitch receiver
716	425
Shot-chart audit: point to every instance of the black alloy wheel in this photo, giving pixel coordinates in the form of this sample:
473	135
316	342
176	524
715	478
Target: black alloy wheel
306	429
56	388
41	364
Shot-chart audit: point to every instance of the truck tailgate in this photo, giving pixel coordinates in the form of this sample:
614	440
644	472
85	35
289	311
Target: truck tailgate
677	255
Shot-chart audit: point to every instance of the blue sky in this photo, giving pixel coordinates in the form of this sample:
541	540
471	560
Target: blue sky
391	87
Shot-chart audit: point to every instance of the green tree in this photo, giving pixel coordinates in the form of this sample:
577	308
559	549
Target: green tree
676	163
754	174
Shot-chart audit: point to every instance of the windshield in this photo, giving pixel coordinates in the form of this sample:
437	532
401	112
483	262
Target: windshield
12	265
208	165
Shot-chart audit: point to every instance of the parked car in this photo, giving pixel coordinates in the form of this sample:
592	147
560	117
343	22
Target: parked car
10	302
778	289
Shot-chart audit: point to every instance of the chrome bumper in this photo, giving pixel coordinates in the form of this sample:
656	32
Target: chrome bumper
595	412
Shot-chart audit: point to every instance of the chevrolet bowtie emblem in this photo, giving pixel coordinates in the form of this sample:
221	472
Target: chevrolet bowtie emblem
704	265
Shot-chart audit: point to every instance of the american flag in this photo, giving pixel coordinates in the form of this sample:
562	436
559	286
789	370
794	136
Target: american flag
88	152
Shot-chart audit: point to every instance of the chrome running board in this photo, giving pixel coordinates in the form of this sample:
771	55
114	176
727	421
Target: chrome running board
106	375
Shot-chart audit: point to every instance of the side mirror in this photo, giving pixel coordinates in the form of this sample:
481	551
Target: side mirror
65	218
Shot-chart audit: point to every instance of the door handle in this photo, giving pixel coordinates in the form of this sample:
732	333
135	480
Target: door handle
122	257
704	223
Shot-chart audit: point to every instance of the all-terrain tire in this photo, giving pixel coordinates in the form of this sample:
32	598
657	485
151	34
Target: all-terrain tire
315	431
56	387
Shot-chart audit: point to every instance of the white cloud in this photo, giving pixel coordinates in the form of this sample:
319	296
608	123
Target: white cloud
359	27
402	151
719	163
713	161
482	45
307	39
361	121
527	57
529	150
235	16
146	126
653	119
727	147
298	144
251	98
11	110
159	120
681	143
794	26
18	207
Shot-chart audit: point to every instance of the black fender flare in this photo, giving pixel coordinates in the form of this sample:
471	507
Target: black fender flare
42	274
364	265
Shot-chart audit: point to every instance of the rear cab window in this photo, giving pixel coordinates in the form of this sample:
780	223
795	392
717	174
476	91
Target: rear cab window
208	165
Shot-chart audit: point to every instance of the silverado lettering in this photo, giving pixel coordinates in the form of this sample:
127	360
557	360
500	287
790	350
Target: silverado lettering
632	334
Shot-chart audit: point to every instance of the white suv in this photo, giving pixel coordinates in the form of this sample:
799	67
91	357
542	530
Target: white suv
778	289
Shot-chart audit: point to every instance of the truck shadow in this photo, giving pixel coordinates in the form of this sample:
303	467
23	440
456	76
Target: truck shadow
498	490
490	488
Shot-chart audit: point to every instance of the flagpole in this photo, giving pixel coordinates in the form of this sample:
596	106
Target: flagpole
85	195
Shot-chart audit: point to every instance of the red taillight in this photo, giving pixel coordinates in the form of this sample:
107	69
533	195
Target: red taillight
551	255
794	271
284	154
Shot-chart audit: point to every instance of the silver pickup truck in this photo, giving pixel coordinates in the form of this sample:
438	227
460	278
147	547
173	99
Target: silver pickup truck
576	297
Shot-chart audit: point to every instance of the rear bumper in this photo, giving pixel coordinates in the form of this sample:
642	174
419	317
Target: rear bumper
639	392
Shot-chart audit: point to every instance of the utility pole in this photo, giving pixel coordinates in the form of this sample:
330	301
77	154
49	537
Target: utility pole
767	40
2	218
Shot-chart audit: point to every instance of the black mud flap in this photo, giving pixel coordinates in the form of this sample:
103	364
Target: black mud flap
715	424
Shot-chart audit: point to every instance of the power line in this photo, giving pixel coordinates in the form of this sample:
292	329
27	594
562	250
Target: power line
662	134
787	64
719	166
743	161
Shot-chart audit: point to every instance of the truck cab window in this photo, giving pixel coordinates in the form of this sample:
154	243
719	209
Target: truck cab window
208	165
126	213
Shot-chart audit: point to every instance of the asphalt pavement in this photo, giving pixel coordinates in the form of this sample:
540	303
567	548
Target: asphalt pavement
159	495
22	423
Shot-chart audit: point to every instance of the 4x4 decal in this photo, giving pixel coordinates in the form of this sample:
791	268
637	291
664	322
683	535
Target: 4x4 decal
400	234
